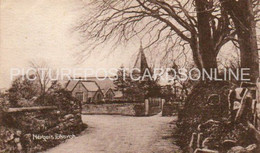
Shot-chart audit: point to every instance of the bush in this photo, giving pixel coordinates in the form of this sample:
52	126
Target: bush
61	98
22	88
168	110
198	110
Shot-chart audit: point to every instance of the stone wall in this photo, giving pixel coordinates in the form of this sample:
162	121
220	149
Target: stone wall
38	129
129	109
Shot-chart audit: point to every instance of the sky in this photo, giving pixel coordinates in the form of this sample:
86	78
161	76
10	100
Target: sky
43	30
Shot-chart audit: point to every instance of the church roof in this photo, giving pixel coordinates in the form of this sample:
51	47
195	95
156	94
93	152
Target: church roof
90	85
104	83
141	61
93	84
141	64
71	84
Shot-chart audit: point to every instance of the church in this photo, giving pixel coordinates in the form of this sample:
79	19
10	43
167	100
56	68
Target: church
94	90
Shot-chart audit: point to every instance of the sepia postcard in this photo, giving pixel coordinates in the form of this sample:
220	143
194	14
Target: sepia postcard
129	76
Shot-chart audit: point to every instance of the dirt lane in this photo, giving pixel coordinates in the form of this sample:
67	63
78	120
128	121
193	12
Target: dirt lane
122	134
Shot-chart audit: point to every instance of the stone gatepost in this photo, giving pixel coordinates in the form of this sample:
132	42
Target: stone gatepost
162	103
146	107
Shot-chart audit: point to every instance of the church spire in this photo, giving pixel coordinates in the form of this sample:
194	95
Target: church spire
141	62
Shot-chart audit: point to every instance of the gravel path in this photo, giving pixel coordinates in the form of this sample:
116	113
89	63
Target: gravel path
122	134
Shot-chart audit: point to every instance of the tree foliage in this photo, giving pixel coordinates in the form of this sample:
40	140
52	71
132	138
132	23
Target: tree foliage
136	90
22	87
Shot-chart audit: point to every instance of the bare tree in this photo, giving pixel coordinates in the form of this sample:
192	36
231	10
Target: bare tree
42	73
197	25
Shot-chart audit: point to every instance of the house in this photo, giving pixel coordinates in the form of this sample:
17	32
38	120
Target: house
106	85
109	94
91	85
85	91
108	88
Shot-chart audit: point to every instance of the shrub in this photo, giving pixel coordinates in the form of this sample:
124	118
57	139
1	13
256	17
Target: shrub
197	110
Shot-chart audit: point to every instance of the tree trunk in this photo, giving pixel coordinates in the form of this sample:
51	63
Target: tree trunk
248	42
242	15
195	52
205	41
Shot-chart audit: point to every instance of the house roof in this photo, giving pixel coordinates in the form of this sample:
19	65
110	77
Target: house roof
104	83
90	85
71	84
93	84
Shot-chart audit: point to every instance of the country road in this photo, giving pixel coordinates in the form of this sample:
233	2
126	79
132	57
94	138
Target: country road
122	134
